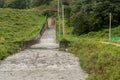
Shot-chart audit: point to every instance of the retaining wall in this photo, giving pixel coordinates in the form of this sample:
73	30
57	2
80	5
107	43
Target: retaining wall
27	44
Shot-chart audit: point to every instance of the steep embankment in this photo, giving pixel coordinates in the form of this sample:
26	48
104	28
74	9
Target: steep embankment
17	26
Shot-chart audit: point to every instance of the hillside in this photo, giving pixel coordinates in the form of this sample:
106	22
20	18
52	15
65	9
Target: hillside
17	26
86	31
100	60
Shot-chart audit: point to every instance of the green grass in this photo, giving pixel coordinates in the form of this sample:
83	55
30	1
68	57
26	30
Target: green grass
100	61
68	32
103	34
18	26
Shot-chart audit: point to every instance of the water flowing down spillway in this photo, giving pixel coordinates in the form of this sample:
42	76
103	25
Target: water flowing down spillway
43	61
48	39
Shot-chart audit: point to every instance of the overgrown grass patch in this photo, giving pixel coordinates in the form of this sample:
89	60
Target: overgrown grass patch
100	61
7	49
17	26
103	34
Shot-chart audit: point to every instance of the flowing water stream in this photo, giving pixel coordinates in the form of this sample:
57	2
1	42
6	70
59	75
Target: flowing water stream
43	61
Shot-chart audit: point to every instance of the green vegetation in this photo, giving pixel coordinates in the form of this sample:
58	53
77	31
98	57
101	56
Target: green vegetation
101	61
23	4
91	15
18	26
7	49
86	26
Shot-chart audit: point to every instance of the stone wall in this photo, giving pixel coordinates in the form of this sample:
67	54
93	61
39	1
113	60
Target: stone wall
27	44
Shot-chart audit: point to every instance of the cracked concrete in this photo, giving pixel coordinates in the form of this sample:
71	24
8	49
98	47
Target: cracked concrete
42	64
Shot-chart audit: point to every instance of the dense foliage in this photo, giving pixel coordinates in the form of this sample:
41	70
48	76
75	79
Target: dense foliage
92	15
22	4
17	26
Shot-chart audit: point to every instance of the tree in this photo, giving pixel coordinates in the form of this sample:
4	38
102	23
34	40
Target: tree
1	3
92	15
22	4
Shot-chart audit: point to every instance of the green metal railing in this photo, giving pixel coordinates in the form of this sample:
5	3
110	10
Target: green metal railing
115	38
42	23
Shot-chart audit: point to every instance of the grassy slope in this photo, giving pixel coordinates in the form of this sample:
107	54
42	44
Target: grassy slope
99	60
17	26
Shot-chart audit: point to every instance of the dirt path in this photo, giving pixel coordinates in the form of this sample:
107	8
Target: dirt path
115	44
42	62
